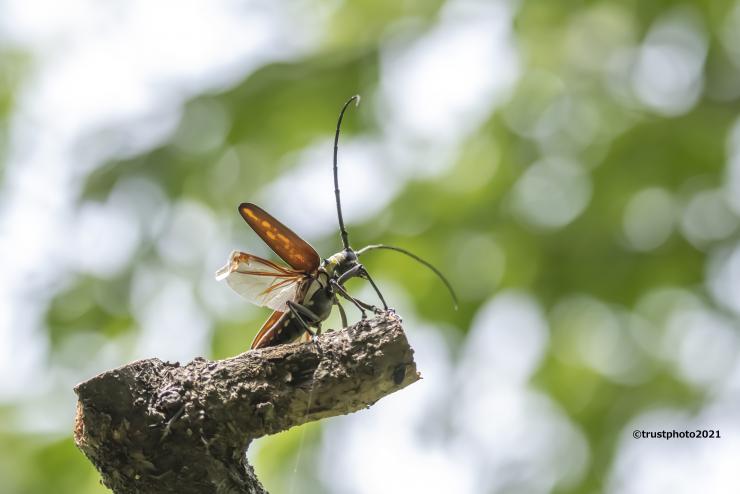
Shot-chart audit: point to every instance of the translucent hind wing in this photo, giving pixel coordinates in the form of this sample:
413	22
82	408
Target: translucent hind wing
262	282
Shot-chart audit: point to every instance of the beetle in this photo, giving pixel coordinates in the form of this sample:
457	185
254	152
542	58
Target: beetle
302	295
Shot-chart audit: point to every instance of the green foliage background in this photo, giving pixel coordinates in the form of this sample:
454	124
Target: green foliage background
282	108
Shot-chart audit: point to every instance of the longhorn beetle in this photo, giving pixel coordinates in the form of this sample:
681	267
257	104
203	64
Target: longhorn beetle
302	296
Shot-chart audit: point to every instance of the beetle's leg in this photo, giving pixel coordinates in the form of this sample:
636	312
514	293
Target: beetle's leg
358	303
299	311
350	273
342	314
359	270
366	305
366	275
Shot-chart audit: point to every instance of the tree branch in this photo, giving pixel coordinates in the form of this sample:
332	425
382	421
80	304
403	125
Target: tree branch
158	427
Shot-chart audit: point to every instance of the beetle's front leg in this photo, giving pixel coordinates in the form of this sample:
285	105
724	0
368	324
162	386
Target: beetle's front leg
366	275
359	270
350	273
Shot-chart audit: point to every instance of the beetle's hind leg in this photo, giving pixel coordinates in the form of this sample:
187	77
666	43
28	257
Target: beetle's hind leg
299	312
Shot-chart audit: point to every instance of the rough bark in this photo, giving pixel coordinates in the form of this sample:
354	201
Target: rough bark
160	427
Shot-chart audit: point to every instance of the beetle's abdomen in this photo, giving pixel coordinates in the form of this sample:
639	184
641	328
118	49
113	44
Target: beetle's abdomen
318	299
285	330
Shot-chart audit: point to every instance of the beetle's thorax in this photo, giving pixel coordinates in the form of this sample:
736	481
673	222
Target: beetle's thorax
319	296
340	263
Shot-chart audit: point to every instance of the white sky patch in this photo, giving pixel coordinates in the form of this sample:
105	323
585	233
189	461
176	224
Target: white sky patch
145	200
441	87
173	327
187	234
707	217
103	239
551	193
491	340
668	71
22	354
724	276
703	346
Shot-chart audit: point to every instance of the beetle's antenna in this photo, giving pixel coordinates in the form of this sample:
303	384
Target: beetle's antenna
342	230
414	256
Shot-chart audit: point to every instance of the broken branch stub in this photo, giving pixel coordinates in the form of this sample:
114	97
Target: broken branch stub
159	427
